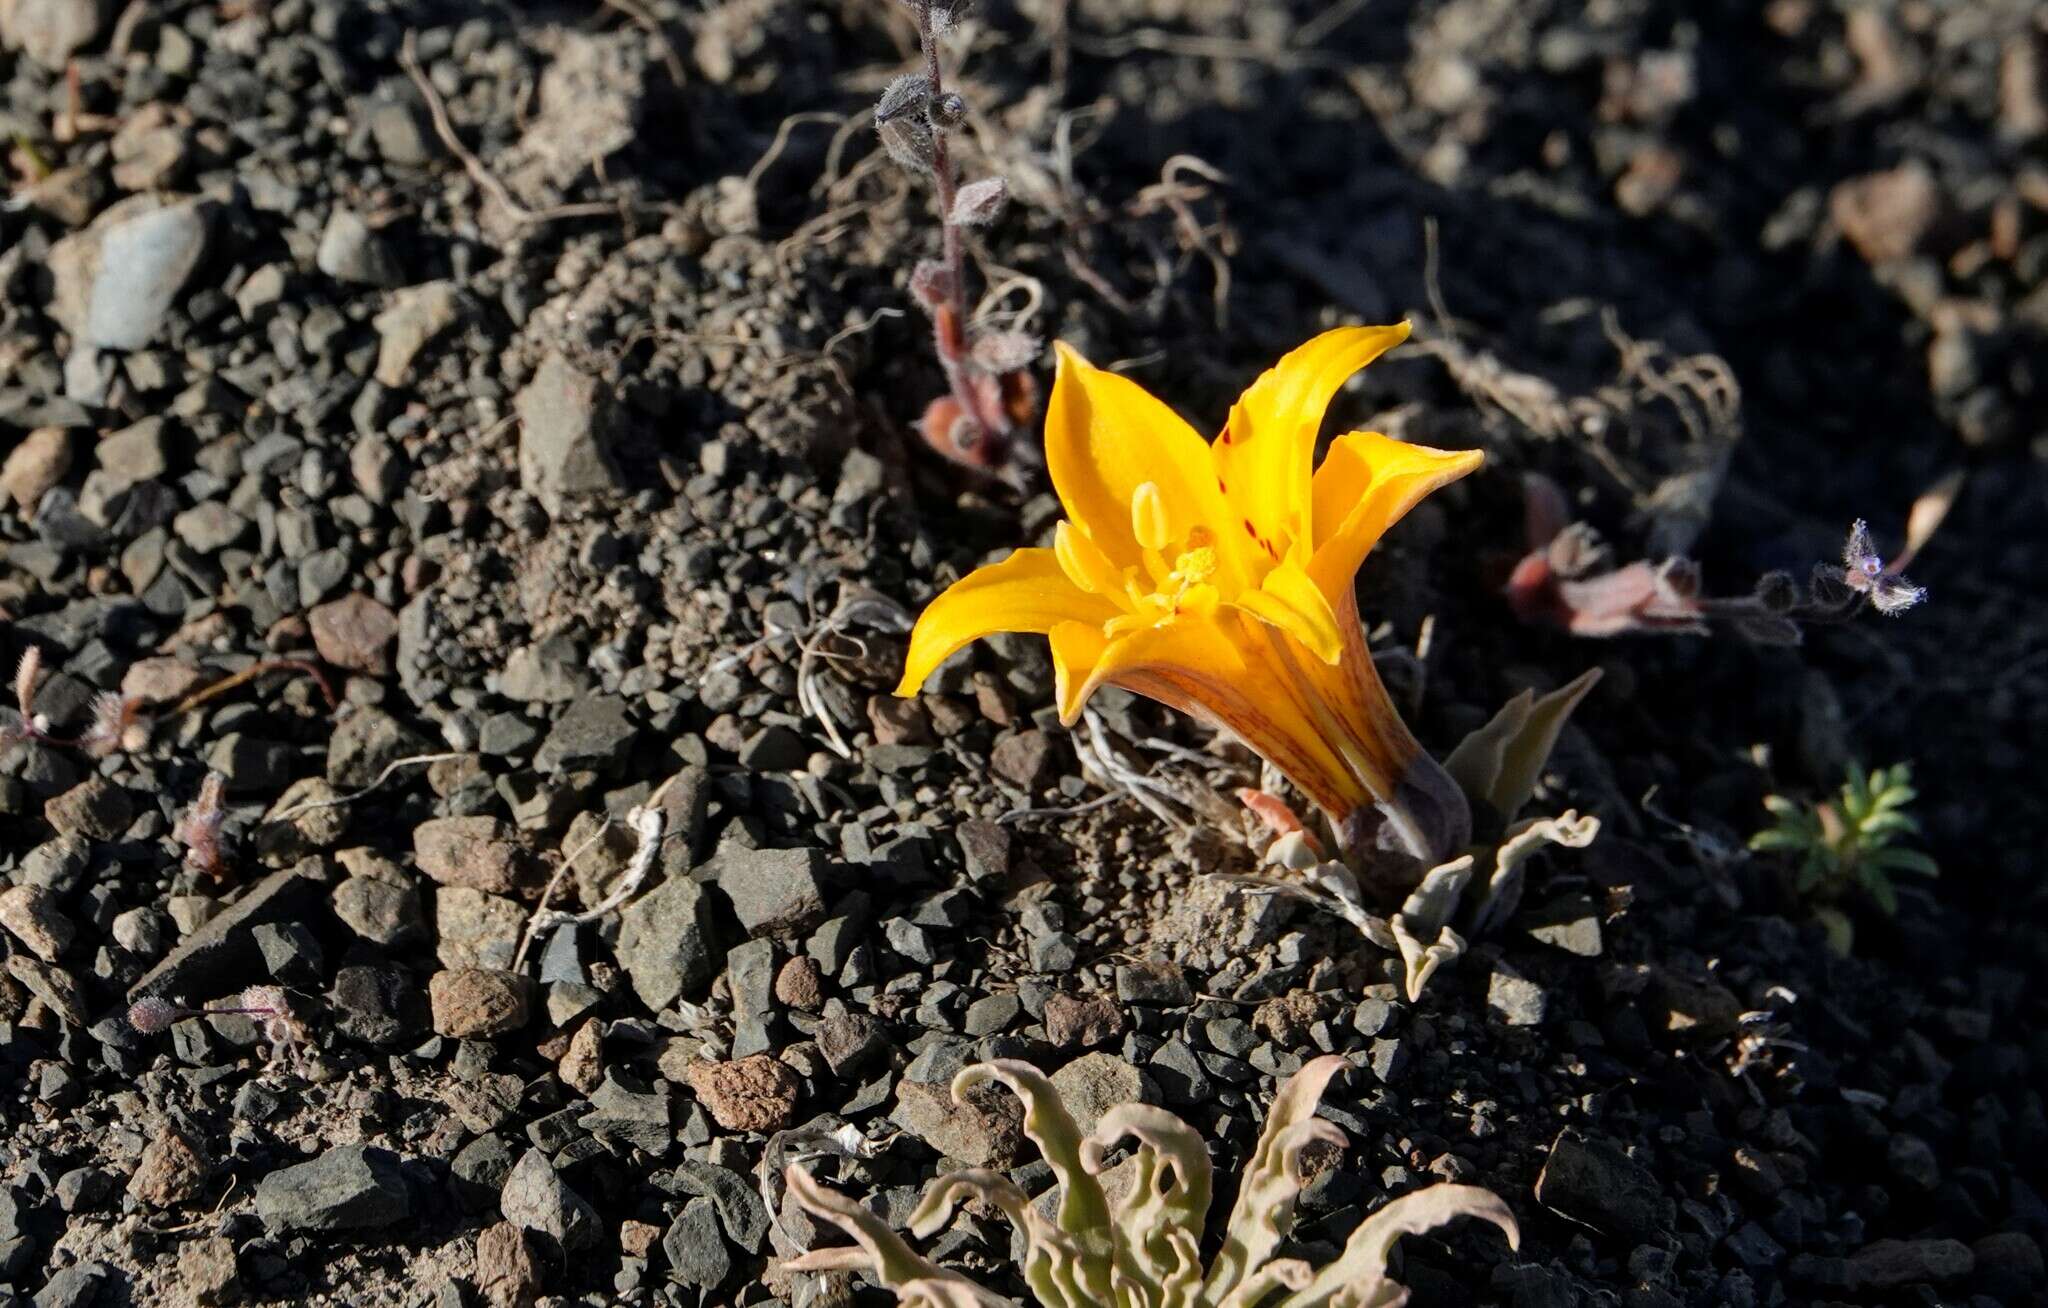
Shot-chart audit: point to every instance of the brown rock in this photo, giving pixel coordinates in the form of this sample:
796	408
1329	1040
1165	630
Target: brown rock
755	1093
160	681
582	1066
95	808
477	1001
208	1272
34	466
170	1173
507	1273
899	721
798	985
636	1238
354	632
477	852
987	1130
31	914
1072	1022
1887	215
1023	759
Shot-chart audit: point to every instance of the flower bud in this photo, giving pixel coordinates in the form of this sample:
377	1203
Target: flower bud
151	1015
980	203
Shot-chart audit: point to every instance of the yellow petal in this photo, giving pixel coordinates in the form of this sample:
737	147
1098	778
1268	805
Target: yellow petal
1367	483
1105	437
1025	592
1225	672
1287	599
1266	454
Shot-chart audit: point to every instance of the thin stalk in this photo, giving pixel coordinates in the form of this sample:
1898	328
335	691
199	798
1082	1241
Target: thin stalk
950	343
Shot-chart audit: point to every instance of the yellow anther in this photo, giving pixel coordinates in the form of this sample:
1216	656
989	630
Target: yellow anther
1194	567
1148	517
1084	563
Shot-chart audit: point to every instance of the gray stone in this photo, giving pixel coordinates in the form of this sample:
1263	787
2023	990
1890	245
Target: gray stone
697	1255
380	912
221	954
774	892
143	263
536	1198
665	943
350	1187
351	252
1093	1084
566	428
1594	1183
594	732
1516	999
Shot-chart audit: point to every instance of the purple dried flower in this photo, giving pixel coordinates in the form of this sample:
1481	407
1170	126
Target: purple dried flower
1864	571
199	829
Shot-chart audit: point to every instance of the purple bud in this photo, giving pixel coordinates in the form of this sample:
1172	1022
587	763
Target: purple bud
980	203
931	284
152	1015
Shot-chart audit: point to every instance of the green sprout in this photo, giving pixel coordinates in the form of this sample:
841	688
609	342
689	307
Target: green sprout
1848	844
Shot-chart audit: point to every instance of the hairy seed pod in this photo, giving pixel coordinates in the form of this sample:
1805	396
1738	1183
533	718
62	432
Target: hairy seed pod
980	203
152	1015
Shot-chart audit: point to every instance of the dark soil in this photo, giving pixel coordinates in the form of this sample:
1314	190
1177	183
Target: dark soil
567	469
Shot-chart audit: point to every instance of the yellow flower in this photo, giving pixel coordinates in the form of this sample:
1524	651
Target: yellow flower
1218	578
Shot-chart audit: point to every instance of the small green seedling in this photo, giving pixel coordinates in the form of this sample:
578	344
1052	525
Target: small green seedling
1849	844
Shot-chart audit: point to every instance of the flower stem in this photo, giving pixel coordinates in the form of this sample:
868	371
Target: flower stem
949	339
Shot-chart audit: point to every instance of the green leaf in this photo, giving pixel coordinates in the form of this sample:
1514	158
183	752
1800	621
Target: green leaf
1880	887
1497	765
1905	860
1841	931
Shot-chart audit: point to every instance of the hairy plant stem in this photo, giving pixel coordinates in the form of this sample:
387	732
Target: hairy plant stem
949	340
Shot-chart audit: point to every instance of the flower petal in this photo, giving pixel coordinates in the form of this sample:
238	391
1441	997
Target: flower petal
1027	591
1265	455
1366	484
1105	436
1290	601
1225	672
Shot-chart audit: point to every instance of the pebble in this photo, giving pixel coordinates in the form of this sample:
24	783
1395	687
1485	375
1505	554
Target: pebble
170	1172
478	852
1886	215
1593	1182
144	262
774	892
473	929
985	1131
380	912
354	633
697	1254
350	252
537	1199
94	809
567	424
1093	1084
33	466
594	732
31	914
508	1275
416	316
1515	999
1073	1022
478	1001
755	1093
666	944
350	1187
1025	760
